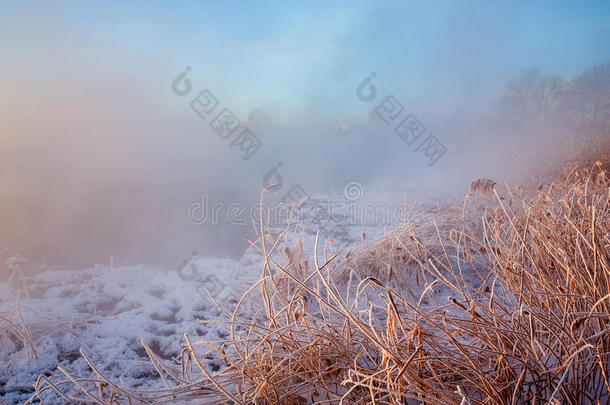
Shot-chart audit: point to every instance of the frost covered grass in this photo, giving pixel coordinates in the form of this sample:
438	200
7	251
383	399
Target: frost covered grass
504	300
525	317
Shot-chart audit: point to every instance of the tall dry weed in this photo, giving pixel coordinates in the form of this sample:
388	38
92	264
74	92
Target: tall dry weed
508	305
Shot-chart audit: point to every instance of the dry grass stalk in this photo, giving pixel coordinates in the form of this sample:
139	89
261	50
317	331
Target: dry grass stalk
527	319
485	186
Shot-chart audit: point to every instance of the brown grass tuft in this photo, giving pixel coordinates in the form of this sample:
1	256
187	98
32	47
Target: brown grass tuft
485	186
508	305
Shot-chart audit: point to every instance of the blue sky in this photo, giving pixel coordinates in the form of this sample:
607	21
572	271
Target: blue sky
303	59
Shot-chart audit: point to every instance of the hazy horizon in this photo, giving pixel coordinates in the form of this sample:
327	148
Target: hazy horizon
100	157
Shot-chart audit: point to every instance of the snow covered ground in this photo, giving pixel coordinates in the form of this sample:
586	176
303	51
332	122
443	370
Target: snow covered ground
108	311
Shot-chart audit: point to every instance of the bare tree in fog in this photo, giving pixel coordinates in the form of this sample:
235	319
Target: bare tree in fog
531	99
549	112
587	101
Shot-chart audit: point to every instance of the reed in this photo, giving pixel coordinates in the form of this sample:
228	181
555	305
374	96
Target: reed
506	304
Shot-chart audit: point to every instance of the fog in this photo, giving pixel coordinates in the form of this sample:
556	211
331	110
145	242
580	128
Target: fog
101	156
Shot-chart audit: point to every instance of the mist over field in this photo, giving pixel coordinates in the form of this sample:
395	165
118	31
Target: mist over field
434	179
100	158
